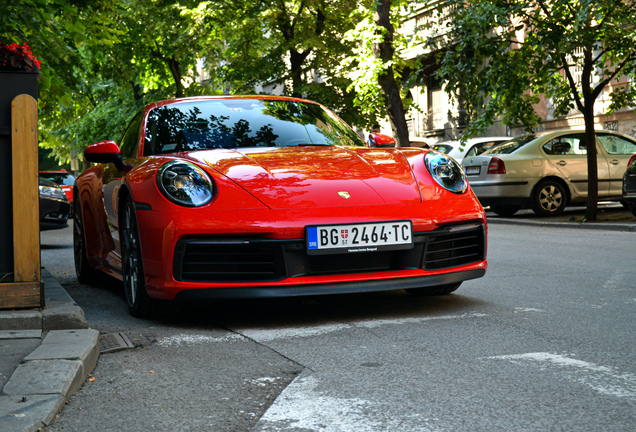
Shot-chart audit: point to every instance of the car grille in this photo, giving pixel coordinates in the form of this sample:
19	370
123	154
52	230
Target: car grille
263	260
204	261
454	249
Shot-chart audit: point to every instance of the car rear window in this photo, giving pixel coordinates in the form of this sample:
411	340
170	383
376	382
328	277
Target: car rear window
512	145
239	123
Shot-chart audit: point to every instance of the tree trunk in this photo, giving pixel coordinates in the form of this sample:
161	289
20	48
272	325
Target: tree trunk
393	101
175	69
296	63
592	167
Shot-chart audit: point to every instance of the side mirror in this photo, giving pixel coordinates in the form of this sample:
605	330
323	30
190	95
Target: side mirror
106	152
381	140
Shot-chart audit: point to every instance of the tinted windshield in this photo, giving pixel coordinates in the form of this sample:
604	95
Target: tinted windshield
442	148
59	178
512	145
238	123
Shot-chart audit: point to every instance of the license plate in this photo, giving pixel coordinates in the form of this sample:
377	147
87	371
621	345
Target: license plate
359	237
473	170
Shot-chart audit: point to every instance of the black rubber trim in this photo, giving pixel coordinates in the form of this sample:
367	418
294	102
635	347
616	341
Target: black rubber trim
328	288
142	206
600	180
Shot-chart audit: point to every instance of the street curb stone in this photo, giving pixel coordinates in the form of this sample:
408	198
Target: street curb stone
36	391
569	225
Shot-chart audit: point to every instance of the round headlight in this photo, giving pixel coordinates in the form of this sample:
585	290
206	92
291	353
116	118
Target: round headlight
446	172
185	184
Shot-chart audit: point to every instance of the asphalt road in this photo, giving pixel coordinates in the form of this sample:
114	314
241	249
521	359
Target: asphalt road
543	342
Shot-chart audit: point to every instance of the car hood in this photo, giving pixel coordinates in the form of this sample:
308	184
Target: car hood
317	176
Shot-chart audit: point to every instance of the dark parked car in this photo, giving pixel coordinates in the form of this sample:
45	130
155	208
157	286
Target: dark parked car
54	206
629	185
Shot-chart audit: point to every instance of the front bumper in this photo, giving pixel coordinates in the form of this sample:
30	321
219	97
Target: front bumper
288	270
54	213
331	288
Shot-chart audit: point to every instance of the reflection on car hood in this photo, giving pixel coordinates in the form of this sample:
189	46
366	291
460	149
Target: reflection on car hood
289	177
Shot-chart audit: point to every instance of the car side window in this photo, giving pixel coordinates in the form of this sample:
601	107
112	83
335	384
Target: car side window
566	145
614	144
130	140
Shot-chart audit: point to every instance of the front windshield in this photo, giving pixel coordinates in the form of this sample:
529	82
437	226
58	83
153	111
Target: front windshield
240	123
511	146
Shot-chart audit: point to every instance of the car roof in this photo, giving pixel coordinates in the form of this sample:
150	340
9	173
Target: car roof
224	97
475	140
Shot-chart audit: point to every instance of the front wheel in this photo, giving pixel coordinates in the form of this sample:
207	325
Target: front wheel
549	198
140	305
434	290
85	273
632	208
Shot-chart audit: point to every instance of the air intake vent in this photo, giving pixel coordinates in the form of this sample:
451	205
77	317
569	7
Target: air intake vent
454	249
202	261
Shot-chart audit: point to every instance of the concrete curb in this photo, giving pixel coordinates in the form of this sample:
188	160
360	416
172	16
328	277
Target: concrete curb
624	227
60	311
37	390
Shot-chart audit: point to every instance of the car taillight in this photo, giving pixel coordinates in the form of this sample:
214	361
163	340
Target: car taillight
496	166
631	160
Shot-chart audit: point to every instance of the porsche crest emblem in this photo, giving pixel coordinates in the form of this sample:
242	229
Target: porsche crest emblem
344	194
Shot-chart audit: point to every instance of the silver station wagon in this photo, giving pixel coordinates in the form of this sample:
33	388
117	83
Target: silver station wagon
548	171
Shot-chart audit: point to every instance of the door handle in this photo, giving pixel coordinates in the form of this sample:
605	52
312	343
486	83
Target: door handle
614	161
562	163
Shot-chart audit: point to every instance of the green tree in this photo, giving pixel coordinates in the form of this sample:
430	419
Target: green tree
297	44
508	52
381	74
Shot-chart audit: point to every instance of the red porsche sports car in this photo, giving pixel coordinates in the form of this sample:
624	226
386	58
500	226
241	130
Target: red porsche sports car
257	196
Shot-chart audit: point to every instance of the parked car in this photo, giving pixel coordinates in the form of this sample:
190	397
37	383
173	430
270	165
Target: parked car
548	171
472	147
629	185
262	196
378	140
63	179
54	206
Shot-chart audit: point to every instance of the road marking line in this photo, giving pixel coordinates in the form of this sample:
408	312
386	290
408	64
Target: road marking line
602	379
184	339
267	335
302	406
520	309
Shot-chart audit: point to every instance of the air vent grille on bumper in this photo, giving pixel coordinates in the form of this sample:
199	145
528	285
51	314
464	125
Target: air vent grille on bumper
454	249
263	260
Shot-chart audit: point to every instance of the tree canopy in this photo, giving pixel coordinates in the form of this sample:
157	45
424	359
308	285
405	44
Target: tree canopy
507	53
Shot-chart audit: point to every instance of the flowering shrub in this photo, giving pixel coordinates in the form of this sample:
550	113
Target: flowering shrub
16	57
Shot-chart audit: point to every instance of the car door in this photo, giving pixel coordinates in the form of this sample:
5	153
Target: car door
568	154
618	151
112	182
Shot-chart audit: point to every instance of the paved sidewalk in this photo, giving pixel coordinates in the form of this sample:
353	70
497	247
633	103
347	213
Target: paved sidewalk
47	354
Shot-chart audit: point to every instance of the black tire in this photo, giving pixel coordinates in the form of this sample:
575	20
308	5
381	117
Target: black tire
140	305
625	204
505	210
632	208
549	198
434	290
85	273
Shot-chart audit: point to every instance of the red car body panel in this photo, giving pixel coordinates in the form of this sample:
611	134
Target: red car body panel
270	193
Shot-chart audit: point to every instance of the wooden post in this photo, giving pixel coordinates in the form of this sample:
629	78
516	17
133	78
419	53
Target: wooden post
27	290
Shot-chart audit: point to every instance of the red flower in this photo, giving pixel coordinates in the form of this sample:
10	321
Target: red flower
16	57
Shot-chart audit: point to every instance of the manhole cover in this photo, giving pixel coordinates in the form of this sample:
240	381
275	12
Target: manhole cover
114	342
